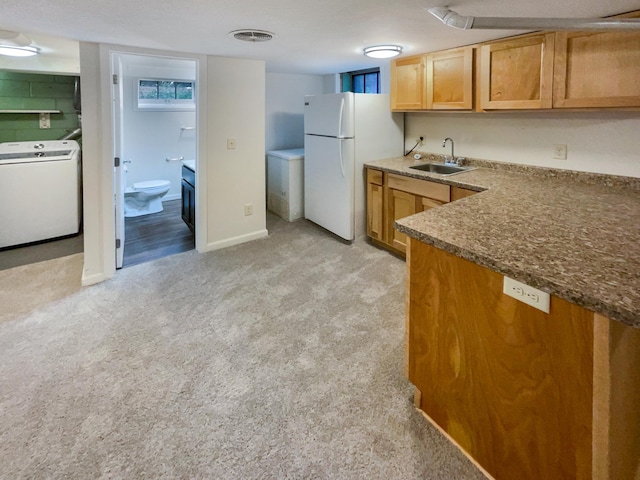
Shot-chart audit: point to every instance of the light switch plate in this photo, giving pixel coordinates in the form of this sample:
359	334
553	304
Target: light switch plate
527	294
231	143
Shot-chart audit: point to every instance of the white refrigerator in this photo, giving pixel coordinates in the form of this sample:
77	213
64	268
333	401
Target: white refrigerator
342	132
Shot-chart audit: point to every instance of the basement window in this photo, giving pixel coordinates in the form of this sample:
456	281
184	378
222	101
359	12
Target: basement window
157	94
361	81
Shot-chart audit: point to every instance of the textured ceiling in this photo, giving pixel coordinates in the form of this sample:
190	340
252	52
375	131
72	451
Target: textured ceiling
315	37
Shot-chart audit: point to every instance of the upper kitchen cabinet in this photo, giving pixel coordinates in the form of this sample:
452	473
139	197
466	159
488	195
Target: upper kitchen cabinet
450	79
408	83
596	69
517	73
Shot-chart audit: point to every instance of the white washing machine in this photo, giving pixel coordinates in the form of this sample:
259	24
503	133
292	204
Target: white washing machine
40	194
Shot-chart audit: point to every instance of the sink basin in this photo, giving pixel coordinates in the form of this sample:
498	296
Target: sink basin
440	168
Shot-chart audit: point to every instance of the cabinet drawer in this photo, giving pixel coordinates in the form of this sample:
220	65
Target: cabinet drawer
424	188
374	176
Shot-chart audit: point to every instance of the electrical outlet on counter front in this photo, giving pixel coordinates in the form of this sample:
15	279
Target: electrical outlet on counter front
527	294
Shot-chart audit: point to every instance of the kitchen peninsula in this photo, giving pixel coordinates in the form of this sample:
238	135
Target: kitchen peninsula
528	394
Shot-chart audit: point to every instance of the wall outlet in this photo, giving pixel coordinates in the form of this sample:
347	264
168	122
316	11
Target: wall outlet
421	140
231	143
45	120
560	151
527	294
248	209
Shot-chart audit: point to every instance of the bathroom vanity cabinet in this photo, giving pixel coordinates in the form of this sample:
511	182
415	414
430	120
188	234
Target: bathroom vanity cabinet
189	197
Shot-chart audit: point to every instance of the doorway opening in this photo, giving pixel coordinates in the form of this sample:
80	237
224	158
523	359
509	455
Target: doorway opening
155	146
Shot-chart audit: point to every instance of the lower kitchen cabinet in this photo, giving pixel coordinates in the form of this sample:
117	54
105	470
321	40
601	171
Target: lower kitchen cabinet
526	394
391	197
399	205
458	193
375	205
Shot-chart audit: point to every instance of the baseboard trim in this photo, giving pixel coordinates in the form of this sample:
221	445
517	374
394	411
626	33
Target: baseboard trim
175	196
229	242
93	279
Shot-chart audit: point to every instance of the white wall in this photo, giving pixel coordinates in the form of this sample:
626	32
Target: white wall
385	77
150	137
98	215
602	142
285	108
234	177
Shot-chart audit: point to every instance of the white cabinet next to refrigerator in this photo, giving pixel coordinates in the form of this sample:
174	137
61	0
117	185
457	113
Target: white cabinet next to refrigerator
285	184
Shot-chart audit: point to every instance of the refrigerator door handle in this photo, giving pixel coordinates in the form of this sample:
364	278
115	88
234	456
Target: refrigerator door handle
341	159
340	119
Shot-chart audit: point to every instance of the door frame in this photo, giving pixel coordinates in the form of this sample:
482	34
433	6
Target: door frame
115	68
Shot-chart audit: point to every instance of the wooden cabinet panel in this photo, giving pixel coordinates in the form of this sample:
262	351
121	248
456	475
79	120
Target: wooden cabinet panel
375	211
425	204
399	205
424	188
408	83
450	80
391	197
188	205
457	193
374	176
510	384
597	69
517	73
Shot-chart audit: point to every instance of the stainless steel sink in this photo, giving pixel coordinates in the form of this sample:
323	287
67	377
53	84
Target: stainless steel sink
440	168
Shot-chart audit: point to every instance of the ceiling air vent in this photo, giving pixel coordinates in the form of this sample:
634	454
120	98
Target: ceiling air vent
251	35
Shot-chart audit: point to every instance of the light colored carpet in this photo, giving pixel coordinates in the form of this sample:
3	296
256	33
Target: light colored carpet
281	358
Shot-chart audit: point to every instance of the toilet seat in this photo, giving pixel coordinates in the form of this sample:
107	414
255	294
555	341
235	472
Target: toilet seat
151	184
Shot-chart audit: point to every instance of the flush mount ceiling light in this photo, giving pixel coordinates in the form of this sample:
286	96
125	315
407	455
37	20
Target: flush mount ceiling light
16	44
12	51
383	51
252	35
453	19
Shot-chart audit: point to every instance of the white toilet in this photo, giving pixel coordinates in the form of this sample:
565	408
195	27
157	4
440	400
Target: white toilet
143	198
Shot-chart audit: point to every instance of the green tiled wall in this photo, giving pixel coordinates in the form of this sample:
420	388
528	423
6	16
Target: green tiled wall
33	91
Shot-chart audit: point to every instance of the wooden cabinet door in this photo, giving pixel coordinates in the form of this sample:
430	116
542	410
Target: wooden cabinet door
375	205
517	73
596	69
450	80
425	204
399	205
457	193
408	83
189	205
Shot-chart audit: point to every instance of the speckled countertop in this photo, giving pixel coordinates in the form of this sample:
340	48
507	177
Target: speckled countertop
574	235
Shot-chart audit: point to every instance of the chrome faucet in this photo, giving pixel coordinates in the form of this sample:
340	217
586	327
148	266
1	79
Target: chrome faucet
444	144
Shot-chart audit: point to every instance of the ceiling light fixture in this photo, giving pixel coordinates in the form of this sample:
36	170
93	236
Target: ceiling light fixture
15	51
14	44
383	51
453	19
